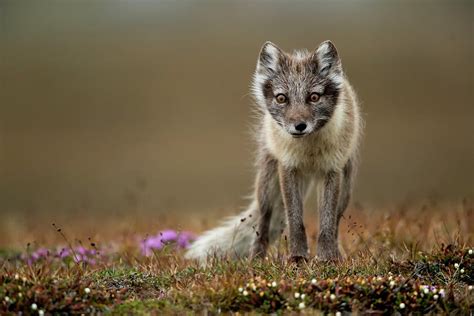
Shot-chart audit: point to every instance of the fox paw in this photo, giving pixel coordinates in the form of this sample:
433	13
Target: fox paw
298	260
329	255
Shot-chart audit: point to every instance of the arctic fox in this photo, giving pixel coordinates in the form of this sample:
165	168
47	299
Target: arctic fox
309	130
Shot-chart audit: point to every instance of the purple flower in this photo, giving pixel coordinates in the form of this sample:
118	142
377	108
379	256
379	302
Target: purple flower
82	258
81	250
151	243
64	253
184	239
84	255
84	251
39	253
77	258
78	254
169	236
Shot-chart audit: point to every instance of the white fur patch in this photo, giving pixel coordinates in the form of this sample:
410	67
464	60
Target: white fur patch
300	55
235	236
256	88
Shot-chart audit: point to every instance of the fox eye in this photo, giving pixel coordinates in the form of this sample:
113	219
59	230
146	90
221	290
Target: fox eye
280	98
314	97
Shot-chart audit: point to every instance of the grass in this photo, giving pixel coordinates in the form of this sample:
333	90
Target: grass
407	260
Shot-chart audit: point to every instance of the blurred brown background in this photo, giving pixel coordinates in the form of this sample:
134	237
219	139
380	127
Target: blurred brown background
142	107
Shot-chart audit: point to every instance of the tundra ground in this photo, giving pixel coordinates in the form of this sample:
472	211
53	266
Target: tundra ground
404	259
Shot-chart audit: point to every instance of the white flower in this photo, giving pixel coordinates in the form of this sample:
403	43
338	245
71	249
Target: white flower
332	297
297	295
301	305
313	281
41	312
245	293
338	314
456	265
34	306
435	290
241	289
435	296
402	305
17	276
274	284
426	290
379	278
87	290
462	270
7	299
470	251
470	287
20	295
303	296
392	283
441	292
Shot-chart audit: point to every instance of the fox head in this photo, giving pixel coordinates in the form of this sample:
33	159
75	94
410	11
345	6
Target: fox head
299	90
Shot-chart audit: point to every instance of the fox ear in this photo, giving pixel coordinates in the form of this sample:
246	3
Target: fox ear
328	61
268	63
269	57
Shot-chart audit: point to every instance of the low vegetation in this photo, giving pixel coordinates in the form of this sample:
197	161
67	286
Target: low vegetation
399	262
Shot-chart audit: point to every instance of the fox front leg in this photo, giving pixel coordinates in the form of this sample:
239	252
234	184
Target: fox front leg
291	183
328	218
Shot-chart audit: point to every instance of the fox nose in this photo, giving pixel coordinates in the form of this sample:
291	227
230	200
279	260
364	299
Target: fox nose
300	127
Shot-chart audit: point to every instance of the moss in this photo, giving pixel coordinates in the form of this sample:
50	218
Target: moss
139	307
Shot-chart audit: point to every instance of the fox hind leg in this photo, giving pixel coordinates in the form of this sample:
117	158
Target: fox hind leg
268	195
346	190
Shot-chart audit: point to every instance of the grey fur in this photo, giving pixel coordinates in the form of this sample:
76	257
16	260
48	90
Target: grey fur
267	185
324	152
328	217
291	182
